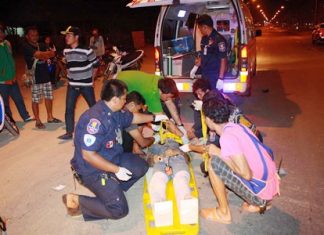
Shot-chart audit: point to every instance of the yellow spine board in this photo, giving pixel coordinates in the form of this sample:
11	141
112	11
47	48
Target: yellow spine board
204	132
176	228
164	134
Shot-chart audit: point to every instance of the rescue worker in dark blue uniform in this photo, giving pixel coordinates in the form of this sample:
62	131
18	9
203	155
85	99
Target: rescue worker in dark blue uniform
99	162
213	54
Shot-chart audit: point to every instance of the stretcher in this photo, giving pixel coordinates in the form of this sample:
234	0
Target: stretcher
177	227
204	155
165	134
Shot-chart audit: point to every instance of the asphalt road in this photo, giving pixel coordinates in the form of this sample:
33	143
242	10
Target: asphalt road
286	104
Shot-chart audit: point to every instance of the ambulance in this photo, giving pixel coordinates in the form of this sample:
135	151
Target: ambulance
177	40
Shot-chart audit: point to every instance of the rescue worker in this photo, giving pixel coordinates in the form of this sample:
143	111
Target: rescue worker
99	162
213	55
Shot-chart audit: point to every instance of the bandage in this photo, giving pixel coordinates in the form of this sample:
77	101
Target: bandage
157	187
181	186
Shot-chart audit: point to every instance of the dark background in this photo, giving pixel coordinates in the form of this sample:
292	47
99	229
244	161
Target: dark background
116	21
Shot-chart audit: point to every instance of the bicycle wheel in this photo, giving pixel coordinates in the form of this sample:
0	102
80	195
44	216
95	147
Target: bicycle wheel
11	126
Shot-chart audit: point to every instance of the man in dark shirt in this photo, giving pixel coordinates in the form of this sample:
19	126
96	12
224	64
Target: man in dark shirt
36	53
213	53
135	104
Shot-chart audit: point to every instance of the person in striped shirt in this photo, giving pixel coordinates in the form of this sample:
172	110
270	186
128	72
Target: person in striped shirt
81	68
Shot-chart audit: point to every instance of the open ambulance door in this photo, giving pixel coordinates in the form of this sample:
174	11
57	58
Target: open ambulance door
152	3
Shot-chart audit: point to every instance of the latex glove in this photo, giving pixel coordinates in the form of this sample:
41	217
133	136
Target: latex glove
197	104
123	174
157	138
219	84
160	117
184	138
185	148
193	71
155	127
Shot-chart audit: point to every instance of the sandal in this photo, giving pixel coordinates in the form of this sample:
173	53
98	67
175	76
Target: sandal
39	125
54	120
254	209
213	214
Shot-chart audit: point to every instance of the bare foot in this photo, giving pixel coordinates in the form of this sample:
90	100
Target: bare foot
72	201
215	215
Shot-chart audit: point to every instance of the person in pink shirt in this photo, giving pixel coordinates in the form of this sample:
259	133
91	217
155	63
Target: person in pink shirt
243	164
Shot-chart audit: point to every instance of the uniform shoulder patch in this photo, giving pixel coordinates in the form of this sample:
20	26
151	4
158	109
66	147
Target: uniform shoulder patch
221	46
89	139
93	126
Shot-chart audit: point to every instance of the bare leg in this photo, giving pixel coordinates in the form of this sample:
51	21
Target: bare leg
174	112
221	214
35	108
220	192
48	104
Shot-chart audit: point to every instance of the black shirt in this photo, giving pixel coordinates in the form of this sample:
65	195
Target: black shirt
128	140
41	72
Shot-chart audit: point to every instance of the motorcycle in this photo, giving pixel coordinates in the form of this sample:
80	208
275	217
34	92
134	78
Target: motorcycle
6	121
117	61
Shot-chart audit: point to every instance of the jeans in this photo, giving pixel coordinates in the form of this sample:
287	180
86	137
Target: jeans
13	91
71	98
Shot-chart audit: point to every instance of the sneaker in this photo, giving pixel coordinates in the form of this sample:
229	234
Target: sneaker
29	119
66	136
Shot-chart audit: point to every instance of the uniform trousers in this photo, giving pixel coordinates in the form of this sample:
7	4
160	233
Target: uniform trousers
110	201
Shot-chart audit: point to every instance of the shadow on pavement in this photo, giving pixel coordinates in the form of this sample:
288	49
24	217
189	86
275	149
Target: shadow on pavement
273	221
6	137
269	105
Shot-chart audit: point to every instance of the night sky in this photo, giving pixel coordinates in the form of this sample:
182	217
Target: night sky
113	15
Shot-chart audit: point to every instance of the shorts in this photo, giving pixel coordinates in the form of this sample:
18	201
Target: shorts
42	89
234	182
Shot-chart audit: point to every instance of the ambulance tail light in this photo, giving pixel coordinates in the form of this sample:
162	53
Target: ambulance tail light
244	64
244	52
157	61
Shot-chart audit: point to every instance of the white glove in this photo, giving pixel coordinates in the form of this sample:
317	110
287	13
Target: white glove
160	117
184	138
197	104
155	127
193	71
219	84
123	174
157	138
185	148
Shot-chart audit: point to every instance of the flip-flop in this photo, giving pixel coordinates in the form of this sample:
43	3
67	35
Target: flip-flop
54	120
39	125
213	214
253	209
